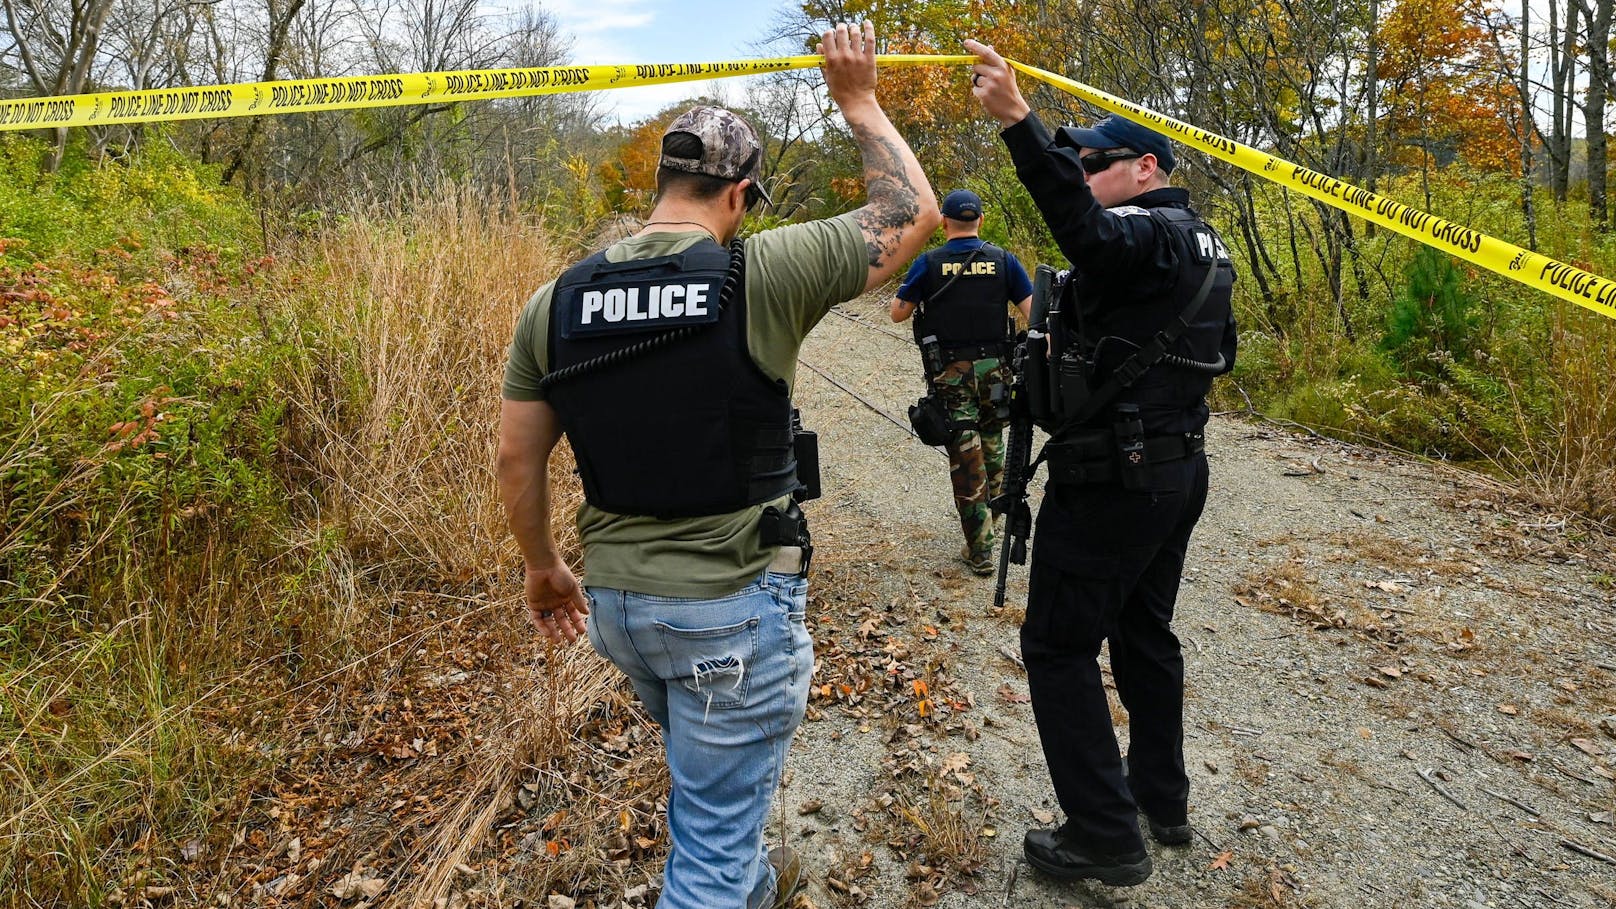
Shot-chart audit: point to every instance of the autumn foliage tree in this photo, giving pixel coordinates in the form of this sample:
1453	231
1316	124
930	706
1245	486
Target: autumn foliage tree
629	177
932	105
1446	97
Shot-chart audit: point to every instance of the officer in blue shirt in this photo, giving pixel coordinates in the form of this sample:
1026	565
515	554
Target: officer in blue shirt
958	294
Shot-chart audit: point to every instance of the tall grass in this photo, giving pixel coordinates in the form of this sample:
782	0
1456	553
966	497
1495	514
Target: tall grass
136	503
1569	459
396	417
399	416
217	472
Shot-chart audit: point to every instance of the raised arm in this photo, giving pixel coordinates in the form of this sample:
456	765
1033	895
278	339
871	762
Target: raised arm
901	211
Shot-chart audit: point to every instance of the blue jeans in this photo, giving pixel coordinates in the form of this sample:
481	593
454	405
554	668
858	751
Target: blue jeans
727	679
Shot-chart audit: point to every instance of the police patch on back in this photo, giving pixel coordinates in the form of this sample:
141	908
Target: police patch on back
644	304
1126	210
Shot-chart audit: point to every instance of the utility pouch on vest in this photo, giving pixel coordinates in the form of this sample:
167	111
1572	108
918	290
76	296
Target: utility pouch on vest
1133	464
929	419
931	352
1083	456
805	446
1073	374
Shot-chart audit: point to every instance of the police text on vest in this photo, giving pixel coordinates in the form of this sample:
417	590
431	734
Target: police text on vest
620	304
974	268
1210	246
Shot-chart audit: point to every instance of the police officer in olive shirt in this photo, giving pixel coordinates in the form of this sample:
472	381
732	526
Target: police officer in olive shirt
668	361
1126	484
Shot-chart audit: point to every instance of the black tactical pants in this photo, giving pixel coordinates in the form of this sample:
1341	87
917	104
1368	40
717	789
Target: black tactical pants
1105	565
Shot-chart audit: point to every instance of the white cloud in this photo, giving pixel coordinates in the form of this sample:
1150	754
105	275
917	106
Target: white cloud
589	16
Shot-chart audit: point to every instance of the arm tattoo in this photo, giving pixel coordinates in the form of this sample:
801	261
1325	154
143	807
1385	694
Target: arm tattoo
893	200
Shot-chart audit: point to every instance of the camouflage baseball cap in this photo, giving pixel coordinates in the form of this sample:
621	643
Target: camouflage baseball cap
729	147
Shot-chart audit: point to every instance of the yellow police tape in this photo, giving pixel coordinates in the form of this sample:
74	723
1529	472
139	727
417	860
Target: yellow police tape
301	96
345	93
1564	281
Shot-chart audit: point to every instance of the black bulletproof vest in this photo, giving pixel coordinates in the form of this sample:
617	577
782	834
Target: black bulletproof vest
688	429
1122	315
971	309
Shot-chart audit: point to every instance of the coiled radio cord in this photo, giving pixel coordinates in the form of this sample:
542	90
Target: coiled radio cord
1215	368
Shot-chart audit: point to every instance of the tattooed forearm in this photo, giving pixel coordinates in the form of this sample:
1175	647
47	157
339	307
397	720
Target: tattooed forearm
894	202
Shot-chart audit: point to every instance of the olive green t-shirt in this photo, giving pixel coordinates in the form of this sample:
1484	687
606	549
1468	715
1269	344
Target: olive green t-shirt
794	275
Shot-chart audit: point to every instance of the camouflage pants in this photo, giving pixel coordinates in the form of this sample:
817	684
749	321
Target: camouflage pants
976	454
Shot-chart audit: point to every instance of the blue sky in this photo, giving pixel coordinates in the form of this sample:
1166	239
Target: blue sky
660	31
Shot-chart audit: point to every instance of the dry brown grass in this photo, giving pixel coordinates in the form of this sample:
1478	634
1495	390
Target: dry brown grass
400	430
269	666
1572	466
1390	554
944	821
1290	588
401	420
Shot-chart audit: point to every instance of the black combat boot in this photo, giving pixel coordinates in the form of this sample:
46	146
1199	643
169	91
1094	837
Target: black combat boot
1169	834
1058	856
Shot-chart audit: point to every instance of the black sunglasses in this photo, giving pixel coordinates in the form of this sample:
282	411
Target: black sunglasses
1099	161
754	195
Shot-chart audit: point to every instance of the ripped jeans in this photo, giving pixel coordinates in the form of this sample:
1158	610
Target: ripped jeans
727	679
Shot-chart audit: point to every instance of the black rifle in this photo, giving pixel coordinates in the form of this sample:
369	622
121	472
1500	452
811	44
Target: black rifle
1012	499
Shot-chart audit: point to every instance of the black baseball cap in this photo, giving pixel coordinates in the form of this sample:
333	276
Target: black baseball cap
1116	132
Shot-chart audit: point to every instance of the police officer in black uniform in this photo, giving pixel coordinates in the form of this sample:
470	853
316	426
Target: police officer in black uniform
1128	479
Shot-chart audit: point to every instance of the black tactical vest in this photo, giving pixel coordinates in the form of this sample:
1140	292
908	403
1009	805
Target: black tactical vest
966	296
688	429
1119	316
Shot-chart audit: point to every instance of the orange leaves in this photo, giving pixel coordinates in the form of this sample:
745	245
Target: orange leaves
921	694
1221	862
131	434
631	178
1440	87
847	187
841	691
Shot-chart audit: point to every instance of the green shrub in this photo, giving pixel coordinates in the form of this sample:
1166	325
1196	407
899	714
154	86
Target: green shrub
139	496
1433	314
